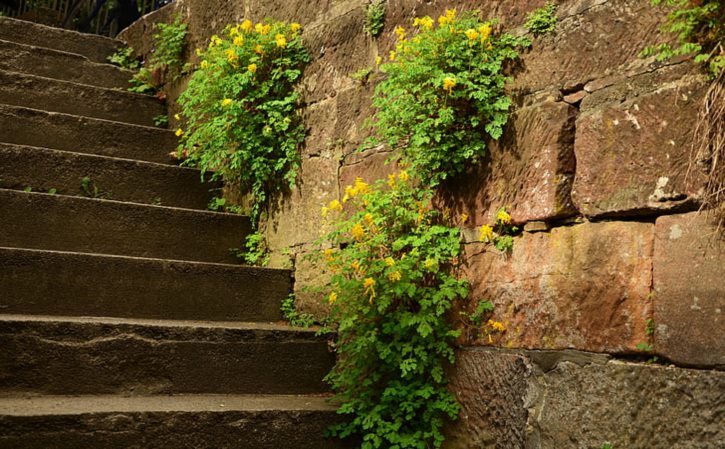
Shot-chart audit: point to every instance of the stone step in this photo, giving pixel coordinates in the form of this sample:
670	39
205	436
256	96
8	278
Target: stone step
43	169
91	225
36	282
61	65
167	422
47	94
25	126
94	47
64	355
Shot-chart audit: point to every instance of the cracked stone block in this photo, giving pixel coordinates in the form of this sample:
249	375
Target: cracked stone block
689	301
583	287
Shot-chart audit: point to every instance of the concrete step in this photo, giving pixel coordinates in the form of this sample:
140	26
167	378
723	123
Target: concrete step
44	169
47	94
62	355
36	282
89	225
94	47
61	65
25	126
167	422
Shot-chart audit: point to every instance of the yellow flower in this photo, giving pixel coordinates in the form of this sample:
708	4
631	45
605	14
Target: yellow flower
247	26
369	285
262	29
430	264
335	205
392	56
259	49
403	176
238	41
449	83
423	22
486	233
233	31
400	31
214	41
358	231
280	40
204	64
389	261
368	218
378	60
485	31
252	68
198	52
332	298
232	56
177	116
361	186
395	276
328	253
227	102
442	20
450	14
464	218
391	180
179	132
503	216
295	27
471	34
496	325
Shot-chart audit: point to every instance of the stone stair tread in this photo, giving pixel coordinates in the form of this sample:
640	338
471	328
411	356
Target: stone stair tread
72	405
128	180
71	97
103	226
61	65
92	46
67	132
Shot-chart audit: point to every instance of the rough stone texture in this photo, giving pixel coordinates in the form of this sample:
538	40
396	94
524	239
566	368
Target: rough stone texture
78	99
95	48
583	287
118	179
628	405
369	165
23	126
311	277
530	171
632	156
689	274
104	356
63	223
491	389
72	284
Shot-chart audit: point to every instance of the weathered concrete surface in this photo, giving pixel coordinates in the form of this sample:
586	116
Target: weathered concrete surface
530	171
632	155
583	287
94	47
71	284
49	355
63	223
569	399
689	302
42	61
52	95
118	179
23	126
166	422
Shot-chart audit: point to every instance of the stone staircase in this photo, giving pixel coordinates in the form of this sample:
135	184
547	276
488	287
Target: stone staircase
124	321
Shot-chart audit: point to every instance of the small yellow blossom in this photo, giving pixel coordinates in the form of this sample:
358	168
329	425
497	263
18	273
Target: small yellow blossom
332	298
450	14
355	265
227	102
503	216
238	41
247	26
259	49
369	285
361	187
345	198
449	83
233	31
430	264
442	20
378	60
389	261
280	40
395	276
204	64
198	52
464	218
328	253
232	56
368	218
391	180
403	176
423	22
400	32
262	29
214	41
358	231
179	132
335	205
252	68
485	31
496	325
295	27
392	56
471	34
177	116
486	233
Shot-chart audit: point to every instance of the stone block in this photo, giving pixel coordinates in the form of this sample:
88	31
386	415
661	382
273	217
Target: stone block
583	287
689	287
530	171
632	156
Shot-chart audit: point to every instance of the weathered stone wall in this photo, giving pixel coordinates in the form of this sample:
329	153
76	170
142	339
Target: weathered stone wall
594	166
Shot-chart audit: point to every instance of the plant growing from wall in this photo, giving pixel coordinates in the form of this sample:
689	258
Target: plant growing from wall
543	20
374	17
443	94
241	110
166	61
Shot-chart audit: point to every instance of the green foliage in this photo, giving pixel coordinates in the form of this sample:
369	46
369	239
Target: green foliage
394	261
607	446
649	328
374	17
295	318
645	347
90	189
125	59
162	121
255	250
542	20
219	204
242	111
167	58
443	95
143	82
700	30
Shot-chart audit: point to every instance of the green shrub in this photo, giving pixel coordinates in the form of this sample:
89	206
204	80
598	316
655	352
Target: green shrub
375	17
542	20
